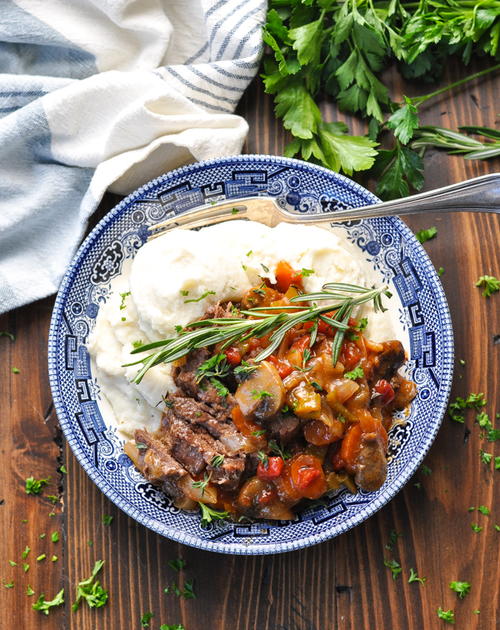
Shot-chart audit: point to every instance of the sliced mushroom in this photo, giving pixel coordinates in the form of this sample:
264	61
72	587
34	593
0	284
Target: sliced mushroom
262	394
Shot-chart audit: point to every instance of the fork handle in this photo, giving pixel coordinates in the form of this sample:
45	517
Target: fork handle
480	194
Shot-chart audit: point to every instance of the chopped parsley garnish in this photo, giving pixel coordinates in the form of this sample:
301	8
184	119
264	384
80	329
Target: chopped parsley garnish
355	374
184	292
497	527
4	333
263	458
29	591
426	235
52	498
202	297
476	528
208	514
473	401
249	253
34	486
461	588
259	433
123	296
245	368
26	552
306	272
217	461
9	584
175	626
138	343
425	470
490	283
394	566
44	606
54	558
54	537
91	590
484	510
107	519
146	618
186	592
446	615
497	463
15	370
266	269
278	448
214	366
414	577
26	567
440	271
177	565
41	557
259	394
12	563
235	211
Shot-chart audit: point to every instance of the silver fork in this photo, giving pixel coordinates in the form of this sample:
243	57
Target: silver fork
481	194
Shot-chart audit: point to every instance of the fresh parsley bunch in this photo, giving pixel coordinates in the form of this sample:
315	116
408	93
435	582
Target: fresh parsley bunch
340	49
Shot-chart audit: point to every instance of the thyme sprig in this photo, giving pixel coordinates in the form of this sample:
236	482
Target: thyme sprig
267	320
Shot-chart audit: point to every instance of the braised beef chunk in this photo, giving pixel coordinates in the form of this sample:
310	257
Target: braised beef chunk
283	428
185	376
157	465
228	474
219	311
388	362
371	463
191	446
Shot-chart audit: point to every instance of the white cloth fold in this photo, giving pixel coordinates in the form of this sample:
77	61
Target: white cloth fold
107	94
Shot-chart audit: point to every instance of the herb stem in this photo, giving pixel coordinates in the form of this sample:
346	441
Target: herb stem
418	100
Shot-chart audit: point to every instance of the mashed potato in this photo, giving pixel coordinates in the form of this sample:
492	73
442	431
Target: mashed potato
176	277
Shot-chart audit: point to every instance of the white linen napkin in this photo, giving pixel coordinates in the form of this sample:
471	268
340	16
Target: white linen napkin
107	94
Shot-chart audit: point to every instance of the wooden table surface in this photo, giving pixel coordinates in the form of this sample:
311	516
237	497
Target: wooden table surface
340	584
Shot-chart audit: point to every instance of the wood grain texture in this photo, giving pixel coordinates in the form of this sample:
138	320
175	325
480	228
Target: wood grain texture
341	584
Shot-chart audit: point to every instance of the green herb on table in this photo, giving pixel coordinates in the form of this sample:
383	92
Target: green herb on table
490	284
107	519
146	618
426	235
485	457
177	565
26	552
484	510
29	591
54	558
175	626
4	333
44	606
15	370
476	528
91	590
473	401
208	514
425	470
446	615
42	536
440	271
12	563
476	612
497	527
394	566
34	486
62	469
393	537
229	331
26	567
414	577
202	297
9	584
461	588
497	462
54	537
456	143
41	557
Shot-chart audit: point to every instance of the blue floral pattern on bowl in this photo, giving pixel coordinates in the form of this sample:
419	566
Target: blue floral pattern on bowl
386	243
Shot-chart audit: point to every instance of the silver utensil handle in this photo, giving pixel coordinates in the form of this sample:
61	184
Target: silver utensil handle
481	194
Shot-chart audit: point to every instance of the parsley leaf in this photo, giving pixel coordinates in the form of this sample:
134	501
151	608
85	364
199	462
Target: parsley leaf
202	297
397	170
91	590
446	615
208	514
404	121
426	235
461	588
34	486
44	606
490	283
355	374
146	618
394	566
414	577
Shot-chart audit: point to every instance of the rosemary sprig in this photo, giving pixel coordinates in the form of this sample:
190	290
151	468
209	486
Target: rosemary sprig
264	321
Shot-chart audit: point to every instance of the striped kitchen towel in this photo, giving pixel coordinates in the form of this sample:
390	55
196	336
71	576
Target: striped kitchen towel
107	95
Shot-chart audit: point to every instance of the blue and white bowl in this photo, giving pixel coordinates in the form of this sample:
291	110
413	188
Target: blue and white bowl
303	188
